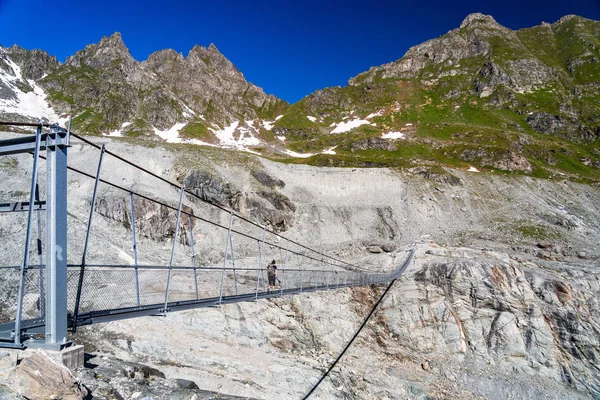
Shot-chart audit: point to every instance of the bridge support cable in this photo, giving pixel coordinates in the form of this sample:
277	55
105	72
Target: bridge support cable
350	342
395	276
87	239
175	237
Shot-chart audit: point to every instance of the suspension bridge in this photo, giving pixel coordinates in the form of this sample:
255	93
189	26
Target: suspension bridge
49	294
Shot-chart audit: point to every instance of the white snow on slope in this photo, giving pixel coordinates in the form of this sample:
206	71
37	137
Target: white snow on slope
188	112
268	125
32	104
347	126
171	135
282	138
227	137
117	132
472	169
393	135
298	155
306	155
277	118
377	114
329	151
311	118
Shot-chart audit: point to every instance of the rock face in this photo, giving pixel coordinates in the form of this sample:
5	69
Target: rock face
501	299
506	313
199	81
39	377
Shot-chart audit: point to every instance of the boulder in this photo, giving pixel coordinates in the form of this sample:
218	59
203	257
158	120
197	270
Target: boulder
39	377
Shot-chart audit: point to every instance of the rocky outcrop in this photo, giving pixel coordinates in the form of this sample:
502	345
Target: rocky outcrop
505	161
152	220
267	180
112	378
34	64
373	143
555	124
504	313
39	377
266	207
210	188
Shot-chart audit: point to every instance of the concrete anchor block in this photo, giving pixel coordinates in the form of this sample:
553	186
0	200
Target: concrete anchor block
72	357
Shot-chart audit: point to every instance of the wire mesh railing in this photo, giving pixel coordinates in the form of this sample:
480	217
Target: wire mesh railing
183	251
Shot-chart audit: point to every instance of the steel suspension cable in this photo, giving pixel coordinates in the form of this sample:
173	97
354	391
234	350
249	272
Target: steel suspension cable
350	342
205	201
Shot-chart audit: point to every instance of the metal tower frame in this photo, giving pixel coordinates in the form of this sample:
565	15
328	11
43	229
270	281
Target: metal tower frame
54	316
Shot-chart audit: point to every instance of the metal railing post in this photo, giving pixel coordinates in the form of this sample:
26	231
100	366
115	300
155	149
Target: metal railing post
85	245
135	258
173	249
233	264
225	258
193	254
259	274
301	274
258	271
25	263
282	282
42	298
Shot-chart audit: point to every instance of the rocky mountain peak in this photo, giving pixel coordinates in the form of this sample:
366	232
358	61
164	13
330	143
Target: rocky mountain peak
102	54
207	54
162	56
34	64
478	19
567	18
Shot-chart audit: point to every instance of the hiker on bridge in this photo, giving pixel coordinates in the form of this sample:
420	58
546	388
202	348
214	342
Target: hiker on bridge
272	274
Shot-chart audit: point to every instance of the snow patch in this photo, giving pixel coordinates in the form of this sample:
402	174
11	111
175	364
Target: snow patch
282	138
171	135
408	125
277	118
393	135
268	125
188	112
377	114
329	151
298	155
117	132
348	126
227	136
472	169
32	104
311	118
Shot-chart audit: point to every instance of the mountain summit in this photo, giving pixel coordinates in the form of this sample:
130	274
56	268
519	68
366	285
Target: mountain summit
482	95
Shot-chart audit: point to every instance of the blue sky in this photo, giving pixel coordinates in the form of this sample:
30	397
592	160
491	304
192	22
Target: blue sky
288	48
